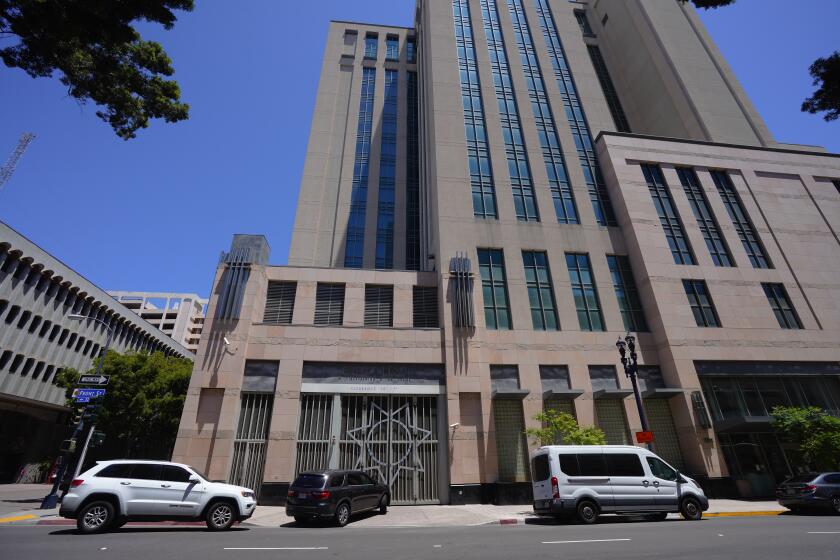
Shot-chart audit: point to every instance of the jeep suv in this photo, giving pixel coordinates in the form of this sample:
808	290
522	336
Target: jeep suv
115	492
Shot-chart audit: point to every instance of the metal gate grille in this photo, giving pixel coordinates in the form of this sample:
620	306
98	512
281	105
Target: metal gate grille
249	447
392	438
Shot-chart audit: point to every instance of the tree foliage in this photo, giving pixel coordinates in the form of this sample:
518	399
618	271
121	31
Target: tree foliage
562	428
816	432
99	55
143	403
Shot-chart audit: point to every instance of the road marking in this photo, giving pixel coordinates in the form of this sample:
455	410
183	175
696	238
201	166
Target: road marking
824	532
17	518
278	548
591	540
437	546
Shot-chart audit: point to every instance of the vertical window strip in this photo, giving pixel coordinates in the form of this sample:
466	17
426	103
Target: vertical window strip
410	50
425	307
576	117
478	153
583	23
627	294
354	247
781	306
392	48
701	303
610	93
740	219
555	164
387	174
705	218
371	46
412	178
491	264
540	291
669	218
524	200
587	304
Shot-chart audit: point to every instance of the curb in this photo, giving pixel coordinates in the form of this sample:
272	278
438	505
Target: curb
524	521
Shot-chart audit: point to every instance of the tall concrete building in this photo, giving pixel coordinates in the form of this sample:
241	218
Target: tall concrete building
490	198
39	296
179	316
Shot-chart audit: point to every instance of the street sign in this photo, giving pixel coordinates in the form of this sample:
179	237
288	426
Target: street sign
644	437
94	379
87	394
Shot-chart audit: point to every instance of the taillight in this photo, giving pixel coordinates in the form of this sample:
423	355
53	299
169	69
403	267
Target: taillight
809	488
76	482
321	495
291	493
555	487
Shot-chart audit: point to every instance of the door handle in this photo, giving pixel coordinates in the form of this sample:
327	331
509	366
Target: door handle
656	483
125	483
165	485
645	483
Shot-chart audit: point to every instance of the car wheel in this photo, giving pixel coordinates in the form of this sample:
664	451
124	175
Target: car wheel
302	520
95	517
660	516
219	516
587	512
342	514
690	509
383	504
835	503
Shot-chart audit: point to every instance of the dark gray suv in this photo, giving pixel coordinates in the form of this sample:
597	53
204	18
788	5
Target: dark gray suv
336	495
811	491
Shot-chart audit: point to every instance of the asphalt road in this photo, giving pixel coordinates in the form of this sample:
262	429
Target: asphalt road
745	538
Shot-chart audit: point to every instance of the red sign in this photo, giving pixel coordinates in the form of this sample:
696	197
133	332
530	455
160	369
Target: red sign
644	437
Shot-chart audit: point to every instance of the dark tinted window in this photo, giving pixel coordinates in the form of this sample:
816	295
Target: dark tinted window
310	481
354	479
624	464
336	480
539	466
660	470
175	474
366	479
569	465
115	471
145	471
832	479
592	464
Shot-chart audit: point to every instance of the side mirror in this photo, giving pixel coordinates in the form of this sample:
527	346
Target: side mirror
194	480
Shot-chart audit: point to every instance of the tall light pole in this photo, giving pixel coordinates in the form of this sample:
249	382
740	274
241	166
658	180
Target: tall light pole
631	370
51	499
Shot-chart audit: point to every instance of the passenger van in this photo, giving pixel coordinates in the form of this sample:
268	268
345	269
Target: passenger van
584	481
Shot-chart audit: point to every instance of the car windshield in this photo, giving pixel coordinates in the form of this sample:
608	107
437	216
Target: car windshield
310	481
801	478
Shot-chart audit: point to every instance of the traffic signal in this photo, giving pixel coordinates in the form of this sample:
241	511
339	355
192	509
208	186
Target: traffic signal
78	412
91	414
97	438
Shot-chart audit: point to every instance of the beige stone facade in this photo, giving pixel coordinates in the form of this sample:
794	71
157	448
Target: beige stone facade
707	389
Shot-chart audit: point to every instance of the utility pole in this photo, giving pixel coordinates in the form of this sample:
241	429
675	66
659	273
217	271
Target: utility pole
9	167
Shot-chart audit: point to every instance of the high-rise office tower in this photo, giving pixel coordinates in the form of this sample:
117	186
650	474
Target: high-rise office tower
491	198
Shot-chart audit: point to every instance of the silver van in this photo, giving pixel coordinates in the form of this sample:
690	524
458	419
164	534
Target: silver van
584	481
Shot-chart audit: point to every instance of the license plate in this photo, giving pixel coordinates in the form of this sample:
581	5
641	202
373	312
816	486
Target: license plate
303	495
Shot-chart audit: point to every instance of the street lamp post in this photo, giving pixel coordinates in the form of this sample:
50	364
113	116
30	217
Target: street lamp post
51	499
631	370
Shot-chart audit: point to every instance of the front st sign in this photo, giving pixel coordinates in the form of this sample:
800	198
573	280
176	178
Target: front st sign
94	379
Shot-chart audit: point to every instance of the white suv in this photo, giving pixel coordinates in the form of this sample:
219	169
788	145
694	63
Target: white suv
114	492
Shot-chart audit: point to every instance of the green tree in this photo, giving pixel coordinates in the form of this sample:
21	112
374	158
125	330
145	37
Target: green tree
824	71
561	427
142	406
816	432
99	55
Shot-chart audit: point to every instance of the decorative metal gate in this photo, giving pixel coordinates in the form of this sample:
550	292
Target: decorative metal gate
249	447
392	438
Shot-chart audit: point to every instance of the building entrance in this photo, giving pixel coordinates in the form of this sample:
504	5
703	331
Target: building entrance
394	438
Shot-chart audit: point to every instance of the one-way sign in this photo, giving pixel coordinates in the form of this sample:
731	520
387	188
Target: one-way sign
94	379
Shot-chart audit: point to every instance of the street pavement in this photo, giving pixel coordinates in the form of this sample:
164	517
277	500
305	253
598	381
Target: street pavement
745	538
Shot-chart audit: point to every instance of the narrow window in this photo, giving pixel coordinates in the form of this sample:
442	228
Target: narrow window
379	306
280	303
371	45
705	219
587	303
412	177
491	264
392	48
743	225
669	218
583	23
329	304
627	294
387	174
781	306
425	307
540	291
610	93
410	51
701	303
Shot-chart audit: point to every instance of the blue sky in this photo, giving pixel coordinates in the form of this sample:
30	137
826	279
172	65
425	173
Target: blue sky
153	213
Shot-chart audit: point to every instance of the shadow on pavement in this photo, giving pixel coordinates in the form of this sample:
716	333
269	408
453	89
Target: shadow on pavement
169	529
602	520
321	522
